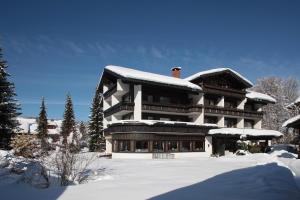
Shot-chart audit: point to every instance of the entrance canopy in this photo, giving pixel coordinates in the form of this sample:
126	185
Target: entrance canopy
253	133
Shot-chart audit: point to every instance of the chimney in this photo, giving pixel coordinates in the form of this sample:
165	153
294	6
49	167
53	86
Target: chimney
176	72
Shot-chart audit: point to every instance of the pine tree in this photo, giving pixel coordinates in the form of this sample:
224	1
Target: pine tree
68	124
42	128
83	132
9	108
96	122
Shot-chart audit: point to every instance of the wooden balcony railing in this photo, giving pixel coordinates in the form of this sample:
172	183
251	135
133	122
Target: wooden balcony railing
232	112
119	107
176	108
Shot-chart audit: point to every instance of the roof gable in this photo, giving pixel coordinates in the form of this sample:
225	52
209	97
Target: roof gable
141	76
219	71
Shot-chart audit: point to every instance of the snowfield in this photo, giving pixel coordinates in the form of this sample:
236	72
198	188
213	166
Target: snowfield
256	176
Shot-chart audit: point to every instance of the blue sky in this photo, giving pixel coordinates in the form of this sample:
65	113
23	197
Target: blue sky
55	47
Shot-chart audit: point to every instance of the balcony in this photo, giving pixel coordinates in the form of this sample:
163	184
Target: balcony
110	91
232	112
119	89
122	106
173	108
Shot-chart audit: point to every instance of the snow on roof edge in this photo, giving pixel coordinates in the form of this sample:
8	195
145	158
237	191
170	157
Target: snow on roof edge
210	71
152	77
259	96
152	122
246	131
291	120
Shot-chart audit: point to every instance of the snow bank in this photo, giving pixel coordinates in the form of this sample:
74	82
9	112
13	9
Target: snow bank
291	121
255	176
147	76
260	96
212	71
247	132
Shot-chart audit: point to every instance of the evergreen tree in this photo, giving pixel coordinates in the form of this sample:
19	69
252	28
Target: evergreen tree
96	122
9	108
83	132
42	128
68	124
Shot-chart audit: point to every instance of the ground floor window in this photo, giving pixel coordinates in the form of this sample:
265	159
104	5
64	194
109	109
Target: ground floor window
172	146
199	146
141	146
123	145
186	146
158	146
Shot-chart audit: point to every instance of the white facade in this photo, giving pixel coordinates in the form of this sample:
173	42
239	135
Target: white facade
198	118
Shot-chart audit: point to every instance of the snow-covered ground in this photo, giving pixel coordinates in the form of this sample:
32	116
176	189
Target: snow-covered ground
255	176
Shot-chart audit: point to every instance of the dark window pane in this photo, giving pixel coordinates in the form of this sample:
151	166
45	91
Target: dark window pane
199	146
124	146
141	146
186	146
172	146
158	146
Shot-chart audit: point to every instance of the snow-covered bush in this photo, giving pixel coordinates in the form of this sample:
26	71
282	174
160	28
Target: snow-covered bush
71	167
25	145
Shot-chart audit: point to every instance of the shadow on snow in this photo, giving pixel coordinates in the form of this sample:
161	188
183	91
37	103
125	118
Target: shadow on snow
264	182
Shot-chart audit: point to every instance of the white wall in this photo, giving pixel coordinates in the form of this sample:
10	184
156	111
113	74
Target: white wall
221	121
221	102
257	124
208	145
137	113
240	123
108	147
241	104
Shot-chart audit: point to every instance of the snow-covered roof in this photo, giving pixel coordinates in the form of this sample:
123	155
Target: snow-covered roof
291	121
218	70
246	131
296	102
151	77
29	125
260	97
153	122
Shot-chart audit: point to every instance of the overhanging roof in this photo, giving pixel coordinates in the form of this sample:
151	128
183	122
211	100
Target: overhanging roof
133	75
293	122
216	71
245	132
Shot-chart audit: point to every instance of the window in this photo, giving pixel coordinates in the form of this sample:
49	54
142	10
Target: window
172	146
230	122
141	146
126	97
158	146
199	146
210	120
209	101
124	146
186	146
164	100
249	123
230	104
249	107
